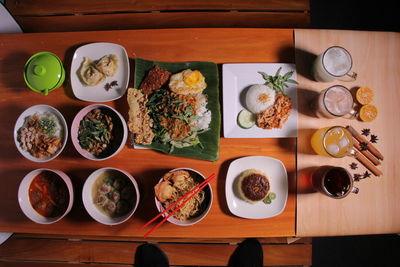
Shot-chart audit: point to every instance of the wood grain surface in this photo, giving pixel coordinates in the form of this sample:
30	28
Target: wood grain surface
217	45
163	20
376	208
47	7
111	252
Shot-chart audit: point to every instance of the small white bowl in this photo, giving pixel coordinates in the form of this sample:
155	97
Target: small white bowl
208	201
90	206
121	124
25	204
40	109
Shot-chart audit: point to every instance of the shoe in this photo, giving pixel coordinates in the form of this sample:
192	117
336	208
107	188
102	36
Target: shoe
148	255
249	253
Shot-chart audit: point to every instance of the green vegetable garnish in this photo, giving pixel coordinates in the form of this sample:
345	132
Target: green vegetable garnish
48	126
271	196
278	82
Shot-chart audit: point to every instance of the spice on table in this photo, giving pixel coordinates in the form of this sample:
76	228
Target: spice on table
353	166
374	138
365	131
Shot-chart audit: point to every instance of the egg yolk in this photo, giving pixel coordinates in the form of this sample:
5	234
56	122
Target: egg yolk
193	78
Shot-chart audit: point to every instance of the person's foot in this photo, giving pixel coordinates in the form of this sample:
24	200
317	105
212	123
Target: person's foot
148	255
249	253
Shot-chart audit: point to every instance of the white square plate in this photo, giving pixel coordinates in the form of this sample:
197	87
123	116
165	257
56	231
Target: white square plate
237	78
277	174
98	93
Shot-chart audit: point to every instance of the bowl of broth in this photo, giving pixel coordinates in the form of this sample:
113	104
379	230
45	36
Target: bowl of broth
45	196
110	195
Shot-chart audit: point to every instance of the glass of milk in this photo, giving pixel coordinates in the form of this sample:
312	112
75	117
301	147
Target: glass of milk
335	101
333	64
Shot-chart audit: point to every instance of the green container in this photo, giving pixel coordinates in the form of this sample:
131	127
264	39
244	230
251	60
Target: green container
44	72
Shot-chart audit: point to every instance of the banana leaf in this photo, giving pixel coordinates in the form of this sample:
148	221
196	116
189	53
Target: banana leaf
209	139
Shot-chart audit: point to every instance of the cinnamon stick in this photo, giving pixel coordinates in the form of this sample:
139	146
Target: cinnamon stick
361	138
366	153
367	163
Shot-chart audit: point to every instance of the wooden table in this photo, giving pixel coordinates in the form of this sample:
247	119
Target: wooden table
376	209
217	45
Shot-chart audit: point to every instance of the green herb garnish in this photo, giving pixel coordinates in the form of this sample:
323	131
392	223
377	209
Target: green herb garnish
278	82
48	126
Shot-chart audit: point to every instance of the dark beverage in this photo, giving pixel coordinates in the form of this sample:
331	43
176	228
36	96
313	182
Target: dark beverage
335	182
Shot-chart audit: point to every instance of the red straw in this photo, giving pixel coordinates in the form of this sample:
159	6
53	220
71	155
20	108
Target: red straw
188	196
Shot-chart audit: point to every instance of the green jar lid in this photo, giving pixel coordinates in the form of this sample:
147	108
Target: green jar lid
44	72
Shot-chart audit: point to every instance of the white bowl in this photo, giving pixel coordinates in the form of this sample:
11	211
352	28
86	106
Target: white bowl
208	201
94	212
41	109
121	124
25	204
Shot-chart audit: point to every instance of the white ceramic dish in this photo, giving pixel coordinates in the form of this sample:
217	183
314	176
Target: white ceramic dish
98	93
93	211
40	109
75	128
279	185
237	78
209	196
23	197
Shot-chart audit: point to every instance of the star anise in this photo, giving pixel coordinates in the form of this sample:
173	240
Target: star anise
353	166
110	85
374	138
364	146
365	131
366	174
357	177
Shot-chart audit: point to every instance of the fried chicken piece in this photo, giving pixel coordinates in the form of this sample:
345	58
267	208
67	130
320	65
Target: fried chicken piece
156	78
277	114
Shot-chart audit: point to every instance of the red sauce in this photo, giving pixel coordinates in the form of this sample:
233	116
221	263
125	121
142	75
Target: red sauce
48	194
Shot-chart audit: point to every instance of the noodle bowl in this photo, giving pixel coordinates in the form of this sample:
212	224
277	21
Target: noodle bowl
175	184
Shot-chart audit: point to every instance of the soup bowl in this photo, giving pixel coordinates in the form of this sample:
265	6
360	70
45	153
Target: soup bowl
116	142
110	195
204	208
35	203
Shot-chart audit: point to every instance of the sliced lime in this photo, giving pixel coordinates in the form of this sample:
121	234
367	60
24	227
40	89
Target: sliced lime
246	119
272	195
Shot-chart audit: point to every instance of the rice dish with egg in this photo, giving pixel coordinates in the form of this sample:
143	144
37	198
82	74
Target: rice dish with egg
259	97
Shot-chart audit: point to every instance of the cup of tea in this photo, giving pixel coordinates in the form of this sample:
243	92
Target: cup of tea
334	182
335	101
333	64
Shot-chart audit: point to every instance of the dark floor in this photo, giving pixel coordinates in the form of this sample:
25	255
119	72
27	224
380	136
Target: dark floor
355	15
356	251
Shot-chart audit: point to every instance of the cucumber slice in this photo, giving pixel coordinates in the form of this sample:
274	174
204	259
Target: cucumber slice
272	195
246	119
267	200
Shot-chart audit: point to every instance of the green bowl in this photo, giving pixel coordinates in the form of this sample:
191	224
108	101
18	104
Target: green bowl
44	72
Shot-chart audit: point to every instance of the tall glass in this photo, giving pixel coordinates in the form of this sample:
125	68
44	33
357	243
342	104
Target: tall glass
335	142
335	101
333	64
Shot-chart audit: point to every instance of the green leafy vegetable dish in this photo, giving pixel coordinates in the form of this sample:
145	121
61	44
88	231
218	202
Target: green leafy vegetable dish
174	108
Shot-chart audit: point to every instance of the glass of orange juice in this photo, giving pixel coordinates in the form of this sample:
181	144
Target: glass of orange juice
335	142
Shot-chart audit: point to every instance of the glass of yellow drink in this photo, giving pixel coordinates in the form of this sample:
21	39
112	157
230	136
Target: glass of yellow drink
333	141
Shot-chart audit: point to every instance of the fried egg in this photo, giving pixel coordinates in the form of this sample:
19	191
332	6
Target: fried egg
187	82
